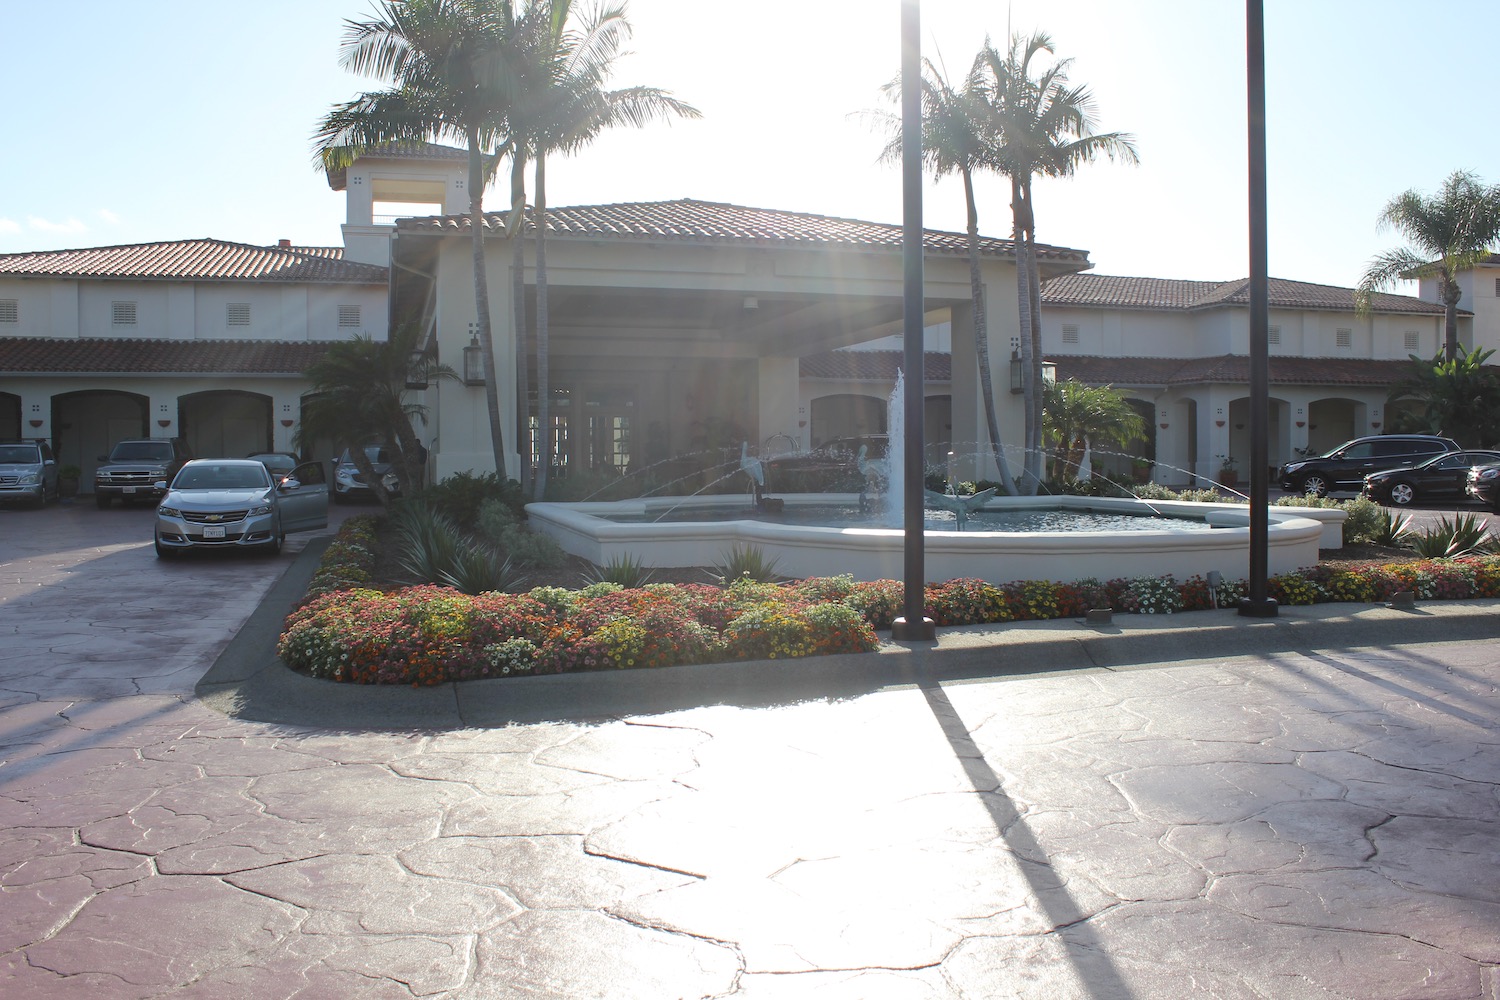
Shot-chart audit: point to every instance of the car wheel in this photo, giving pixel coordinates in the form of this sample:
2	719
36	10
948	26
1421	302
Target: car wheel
162	552
1315	486
340	499
273	547
101	500
1402	494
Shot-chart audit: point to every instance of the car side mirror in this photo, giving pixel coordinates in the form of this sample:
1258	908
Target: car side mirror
48	461
288	484
160	484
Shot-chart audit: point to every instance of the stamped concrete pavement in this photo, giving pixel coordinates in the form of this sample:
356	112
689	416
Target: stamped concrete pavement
1243	819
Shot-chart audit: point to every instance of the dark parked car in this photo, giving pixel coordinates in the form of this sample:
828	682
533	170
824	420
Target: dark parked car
279	463
28	471
1442	478
1484	485
232	503
132	469
1344	468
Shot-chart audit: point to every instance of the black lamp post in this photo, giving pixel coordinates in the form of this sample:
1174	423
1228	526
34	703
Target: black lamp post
912	625
1257	604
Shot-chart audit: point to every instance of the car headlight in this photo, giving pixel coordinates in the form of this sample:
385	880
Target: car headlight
345	475
1294	466
260	508
166	511
30	478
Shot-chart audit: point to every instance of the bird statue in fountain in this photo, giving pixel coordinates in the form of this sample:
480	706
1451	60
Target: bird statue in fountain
878	469
962	507
751	466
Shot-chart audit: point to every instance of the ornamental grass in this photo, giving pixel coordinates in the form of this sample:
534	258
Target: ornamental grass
348	631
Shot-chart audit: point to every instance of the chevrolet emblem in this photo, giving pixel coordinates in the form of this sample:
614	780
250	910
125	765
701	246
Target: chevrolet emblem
213	517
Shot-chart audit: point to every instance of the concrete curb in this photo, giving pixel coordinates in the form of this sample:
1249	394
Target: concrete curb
248	681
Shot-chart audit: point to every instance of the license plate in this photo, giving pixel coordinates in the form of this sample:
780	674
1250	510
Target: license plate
127	489
213	531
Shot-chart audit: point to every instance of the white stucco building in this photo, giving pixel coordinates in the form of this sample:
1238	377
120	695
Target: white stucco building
675	327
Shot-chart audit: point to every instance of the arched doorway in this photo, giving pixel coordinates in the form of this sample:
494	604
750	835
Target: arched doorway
10	415
846	415
86	423
225	423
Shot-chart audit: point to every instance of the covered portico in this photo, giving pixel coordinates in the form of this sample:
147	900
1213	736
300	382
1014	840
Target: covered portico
676	328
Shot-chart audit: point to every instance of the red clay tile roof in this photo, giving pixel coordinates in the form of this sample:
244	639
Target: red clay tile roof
689	220
1111	291
872	366
880	366
48	356
1230	368
201	260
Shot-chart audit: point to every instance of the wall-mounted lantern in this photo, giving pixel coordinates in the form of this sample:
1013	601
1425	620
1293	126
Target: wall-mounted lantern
473	359
1018	373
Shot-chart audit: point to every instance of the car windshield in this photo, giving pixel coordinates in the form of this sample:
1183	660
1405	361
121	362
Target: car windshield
222	477
19	454
374	453
141	451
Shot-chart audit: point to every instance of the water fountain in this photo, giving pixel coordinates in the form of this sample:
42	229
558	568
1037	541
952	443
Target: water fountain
820	534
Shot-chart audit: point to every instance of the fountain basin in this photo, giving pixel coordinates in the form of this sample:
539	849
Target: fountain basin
874	553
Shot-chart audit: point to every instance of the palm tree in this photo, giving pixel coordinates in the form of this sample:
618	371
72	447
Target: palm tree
1075	414
359	397
454	77
563	107
953	142
1446	235
1038	126
1461	398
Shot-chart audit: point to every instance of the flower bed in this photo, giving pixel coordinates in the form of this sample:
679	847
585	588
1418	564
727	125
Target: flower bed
347	630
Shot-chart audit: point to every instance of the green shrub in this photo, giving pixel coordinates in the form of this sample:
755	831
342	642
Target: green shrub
1390	529
462	495
499	524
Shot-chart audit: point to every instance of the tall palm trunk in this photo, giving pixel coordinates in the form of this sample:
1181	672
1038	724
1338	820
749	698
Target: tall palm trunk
515	227
982	339
543	368
1034	288
1450	293
482	301
1029	387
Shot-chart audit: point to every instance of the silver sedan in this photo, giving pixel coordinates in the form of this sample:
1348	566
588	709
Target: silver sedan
233	503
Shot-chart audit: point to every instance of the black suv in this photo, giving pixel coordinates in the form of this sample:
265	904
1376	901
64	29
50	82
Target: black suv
1344	468
132	469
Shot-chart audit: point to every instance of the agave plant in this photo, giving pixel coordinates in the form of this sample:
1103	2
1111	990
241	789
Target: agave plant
1448	539
625	570
743	561
479	569
428	543
1391	529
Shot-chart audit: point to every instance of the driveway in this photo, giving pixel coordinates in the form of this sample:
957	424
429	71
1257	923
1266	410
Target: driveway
1259	814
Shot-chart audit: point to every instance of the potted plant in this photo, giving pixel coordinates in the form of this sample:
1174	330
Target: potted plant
1227	474
67	481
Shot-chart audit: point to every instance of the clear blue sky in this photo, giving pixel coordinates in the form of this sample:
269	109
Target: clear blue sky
164	120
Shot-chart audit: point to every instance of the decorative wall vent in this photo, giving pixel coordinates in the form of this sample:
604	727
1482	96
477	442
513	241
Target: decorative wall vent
238	314
348	316
122	313
10	311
